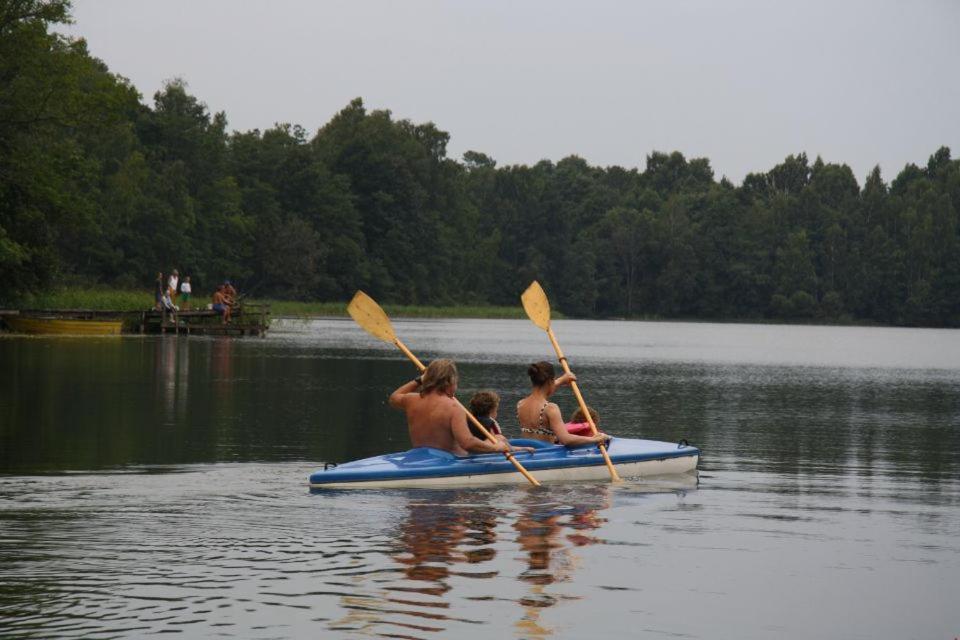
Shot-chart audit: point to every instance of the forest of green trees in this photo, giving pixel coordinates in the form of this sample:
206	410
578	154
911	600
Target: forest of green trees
98	188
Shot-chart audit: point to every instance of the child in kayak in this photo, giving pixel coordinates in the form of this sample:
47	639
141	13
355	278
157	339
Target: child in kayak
578	424
484	406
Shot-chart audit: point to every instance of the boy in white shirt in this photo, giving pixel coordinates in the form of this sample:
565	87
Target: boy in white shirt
185	291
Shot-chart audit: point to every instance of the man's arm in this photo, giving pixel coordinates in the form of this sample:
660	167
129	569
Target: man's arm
397	397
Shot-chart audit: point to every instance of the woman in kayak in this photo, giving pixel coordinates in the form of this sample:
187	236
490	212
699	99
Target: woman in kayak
539	418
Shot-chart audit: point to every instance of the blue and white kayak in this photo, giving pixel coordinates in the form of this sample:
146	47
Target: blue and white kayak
429	467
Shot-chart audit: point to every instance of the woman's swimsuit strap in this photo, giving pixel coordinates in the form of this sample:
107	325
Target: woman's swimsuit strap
539	430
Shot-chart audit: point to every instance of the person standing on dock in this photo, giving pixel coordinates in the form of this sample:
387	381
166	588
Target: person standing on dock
158	292
185	291
172	286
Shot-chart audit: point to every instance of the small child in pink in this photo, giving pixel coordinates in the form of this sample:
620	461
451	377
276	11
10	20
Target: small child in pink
578	424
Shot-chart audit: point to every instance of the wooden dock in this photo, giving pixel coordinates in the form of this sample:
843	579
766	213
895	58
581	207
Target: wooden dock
246	320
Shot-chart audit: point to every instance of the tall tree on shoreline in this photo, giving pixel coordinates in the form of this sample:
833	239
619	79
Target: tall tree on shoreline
60	112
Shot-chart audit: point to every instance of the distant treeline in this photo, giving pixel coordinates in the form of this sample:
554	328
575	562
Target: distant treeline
96	187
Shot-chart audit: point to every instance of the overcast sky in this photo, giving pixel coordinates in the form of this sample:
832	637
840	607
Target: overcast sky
743	83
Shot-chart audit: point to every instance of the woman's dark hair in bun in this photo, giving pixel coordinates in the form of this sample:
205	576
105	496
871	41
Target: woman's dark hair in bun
541	373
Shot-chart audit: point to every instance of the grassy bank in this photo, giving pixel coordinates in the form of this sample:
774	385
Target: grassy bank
286	308
87	298
137	300
103	299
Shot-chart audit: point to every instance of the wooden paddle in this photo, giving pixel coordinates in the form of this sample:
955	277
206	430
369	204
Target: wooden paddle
372	318
537	306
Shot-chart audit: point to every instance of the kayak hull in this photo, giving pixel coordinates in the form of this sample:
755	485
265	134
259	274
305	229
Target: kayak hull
428	467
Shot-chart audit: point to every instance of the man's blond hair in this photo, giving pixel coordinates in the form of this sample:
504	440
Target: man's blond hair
439	375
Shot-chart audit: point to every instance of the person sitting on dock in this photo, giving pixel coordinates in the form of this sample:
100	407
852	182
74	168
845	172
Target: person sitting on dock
230	293
434	417
542	418
167	303
220	305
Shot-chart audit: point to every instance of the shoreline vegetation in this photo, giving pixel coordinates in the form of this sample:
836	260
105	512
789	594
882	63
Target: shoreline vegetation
137	300
102	188
307	310
99	299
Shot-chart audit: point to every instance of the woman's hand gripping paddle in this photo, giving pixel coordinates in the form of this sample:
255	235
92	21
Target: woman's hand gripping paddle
372	318
537	306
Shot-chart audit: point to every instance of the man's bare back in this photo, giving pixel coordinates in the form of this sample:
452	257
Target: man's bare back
434	417
431	419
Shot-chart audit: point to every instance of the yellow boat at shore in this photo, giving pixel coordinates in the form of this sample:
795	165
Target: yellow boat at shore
63	326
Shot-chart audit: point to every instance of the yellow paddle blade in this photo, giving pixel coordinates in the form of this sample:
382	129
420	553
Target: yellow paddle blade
368	314
536	305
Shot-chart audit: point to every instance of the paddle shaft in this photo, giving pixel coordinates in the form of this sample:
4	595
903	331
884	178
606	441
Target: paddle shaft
472	418
583	405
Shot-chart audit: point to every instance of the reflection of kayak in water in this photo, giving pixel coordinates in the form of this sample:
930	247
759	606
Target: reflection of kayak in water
426	466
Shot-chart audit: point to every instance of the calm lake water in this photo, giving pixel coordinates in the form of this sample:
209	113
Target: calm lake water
159	485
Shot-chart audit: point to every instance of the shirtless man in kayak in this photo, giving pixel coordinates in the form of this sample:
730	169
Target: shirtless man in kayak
434	416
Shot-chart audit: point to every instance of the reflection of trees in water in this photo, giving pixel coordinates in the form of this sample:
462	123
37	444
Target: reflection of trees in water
806	421
549	530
